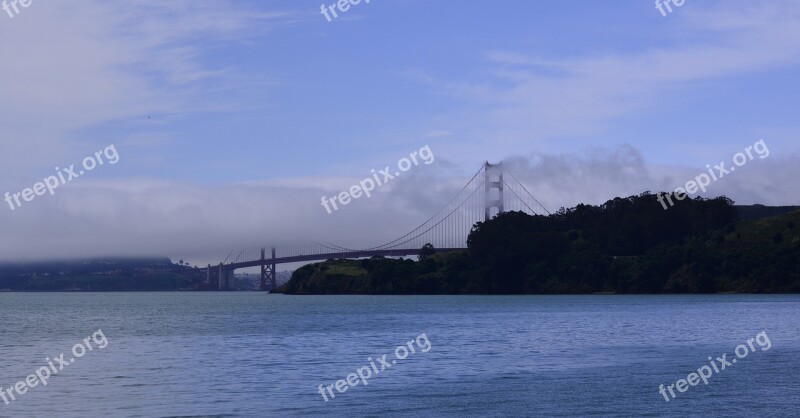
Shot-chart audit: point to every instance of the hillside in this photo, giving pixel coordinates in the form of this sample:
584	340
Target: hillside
627	245
107	274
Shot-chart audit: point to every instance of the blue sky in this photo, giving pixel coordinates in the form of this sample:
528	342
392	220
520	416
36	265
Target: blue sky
208	100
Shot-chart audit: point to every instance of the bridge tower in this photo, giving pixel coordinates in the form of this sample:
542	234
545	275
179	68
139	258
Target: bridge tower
227	279
493	180
268	270
221	283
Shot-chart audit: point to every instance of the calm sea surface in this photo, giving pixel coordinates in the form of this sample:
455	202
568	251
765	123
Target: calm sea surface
249	354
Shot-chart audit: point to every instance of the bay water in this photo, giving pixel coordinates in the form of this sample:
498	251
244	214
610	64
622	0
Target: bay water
260	355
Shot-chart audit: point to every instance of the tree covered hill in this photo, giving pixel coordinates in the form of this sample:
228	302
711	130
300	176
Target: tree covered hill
626	245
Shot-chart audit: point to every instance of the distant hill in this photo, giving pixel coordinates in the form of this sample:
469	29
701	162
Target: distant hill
103	274
77	266
755	212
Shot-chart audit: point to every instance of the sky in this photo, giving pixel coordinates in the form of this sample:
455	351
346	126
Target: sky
230	119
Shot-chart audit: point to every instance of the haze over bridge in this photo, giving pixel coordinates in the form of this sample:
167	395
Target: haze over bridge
483	197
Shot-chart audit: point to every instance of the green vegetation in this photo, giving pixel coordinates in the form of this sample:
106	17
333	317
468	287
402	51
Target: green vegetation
627	245
101	275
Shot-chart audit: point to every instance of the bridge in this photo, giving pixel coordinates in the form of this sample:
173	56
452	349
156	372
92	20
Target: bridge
483	197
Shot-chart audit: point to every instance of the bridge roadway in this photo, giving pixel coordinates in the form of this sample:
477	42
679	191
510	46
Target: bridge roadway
325	256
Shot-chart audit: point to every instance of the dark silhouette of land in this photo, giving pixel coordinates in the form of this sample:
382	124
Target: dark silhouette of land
626	245
105	274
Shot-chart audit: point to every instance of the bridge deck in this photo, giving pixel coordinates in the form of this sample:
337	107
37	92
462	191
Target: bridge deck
325	256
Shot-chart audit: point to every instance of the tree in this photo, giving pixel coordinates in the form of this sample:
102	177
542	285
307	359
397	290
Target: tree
426	251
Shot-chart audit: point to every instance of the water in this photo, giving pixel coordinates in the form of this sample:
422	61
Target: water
248	354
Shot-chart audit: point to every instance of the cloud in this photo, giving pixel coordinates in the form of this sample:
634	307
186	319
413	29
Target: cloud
97	63
593	177
525	96
204	223
155	217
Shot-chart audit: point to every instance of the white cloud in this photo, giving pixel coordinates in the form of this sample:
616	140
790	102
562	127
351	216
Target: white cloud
529	97
68	67
203	223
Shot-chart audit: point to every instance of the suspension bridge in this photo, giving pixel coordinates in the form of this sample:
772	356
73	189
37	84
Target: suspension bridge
491	191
